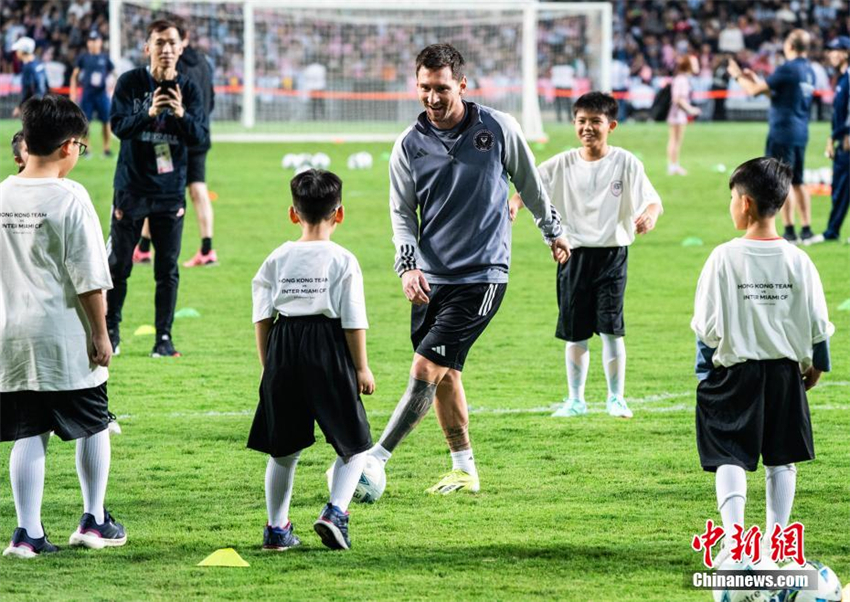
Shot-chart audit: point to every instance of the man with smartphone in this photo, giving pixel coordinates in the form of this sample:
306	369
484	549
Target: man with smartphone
157	114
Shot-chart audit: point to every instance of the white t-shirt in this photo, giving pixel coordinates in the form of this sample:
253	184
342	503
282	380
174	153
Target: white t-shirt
598	200
311	279
760	300
51	250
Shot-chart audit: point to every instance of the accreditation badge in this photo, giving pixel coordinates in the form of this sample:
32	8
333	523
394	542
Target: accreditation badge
164	164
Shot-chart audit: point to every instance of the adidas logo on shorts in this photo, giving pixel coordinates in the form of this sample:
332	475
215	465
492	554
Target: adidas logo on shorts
441	349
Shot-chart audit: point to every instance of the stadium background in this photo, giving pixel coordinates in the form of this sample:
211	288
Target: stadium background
589	510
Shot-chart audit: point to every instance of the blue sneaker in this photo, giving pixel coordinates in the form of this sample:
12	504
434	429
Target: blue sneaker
24	546
97	536
332	527
277	539
570	407
617	407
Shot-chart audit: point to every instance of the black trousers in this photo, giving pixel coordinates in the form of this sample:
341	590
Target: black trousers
166	222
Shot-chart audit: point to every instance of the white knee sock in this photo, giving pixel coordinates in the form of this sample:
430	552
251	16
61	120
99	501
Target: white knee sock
614	363
280	477
346	475
93	456
465	461
731	485
380	452
26	469
577	358
780	484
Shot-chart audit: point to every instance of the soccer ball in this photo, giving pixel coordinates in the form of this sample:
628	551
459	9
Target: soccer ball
372	482
755	595
303	168
320	161
361	160
828	585
289	161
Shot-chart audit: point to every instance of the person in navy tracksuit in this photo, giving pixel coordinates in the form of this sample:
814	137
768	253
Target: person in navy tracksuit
838	144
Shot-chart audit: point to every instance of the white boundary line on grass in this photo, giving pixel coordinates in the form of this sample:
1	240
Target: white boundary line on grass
536	410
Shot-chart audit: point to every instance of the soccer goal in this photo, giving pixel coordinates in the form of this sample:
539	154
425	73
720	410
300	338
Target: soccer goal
342	70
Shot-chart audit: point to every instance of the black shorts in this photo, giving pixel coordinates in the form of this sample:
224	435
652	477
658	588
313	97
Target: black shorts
196	166
445	329
69	414
792	154
591	289
755	408
309	377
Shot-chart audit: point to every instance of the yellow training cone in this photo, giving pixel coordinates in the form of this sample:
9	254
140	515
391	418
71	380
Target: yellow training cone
145	329
846	596
224	557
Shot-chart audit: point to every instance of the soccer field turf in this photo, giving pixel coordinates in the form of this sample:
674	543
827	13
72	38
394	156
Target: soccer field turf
590	508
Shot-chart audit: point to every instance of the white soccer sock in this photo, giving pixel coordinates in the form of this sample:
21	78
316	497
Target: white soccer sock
780	485
614	362
26	470
577	358
381	453
346	476
465	461
731	485
93	457
280	477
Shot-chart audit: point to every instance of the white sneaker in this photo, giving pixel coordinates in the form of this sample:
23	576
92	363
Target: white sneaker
814	240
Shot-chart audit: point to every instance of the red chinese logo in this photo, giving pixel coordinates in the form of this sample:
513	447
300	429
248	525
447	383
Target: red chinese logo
787	543
706	541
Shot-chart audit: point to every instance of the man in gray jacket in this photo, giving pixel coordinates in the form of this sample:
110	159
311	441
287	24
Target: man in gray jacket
453	165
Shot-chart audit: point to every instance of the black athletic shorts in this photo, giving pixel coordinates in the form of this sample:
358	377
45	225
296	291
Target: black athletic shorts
792	154
591	289
196	166
309	377
445	329
69	414
755	408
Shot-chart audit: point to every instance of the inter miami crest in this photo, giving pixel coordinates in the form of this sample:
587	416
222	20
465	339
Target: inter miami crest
483	140
617	187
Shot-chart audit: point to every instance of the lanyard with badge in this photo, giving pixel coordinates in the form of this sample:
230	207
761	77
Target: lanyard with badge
162	150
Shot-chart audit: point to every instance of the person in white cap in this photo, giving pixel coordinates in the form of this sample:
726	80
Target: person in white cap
33	76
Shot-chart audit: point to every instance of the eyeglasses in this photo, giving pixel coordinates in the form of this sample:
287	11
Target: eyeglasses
83	147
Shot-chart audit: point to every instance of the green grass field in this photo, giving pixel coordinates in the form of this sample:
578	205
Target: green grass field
592	508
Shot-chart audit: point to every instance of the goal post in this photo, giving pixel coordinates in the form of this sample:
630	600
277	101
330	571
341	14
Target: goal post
337	70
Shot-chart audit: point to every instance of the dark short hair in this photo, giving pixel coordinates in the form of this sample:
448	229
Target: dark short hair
437	56
51	121
765	180
598	103
162	25
16	143
315	194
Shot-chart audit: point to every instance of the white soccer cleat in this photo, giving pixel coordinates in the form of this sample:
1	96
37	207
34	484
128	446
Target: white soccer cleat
617	407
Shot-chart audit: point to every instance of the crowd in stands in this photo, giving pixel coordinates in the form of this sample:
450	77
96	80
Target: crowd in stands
356	53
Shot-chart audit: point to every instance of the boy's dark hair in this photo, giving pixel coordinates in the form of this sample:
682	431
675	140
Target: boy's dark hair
437	56
51	121
16	143
161	25
765	180
315	194
597	102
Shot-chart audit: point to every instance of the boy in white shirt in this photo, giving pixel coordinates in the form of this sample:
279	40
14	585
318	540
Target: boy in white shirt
314	360
604	198
763	333
53	340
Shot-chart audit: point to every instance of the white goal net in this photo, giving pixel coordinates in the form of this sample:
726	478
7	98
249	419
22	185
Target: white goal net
344	69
